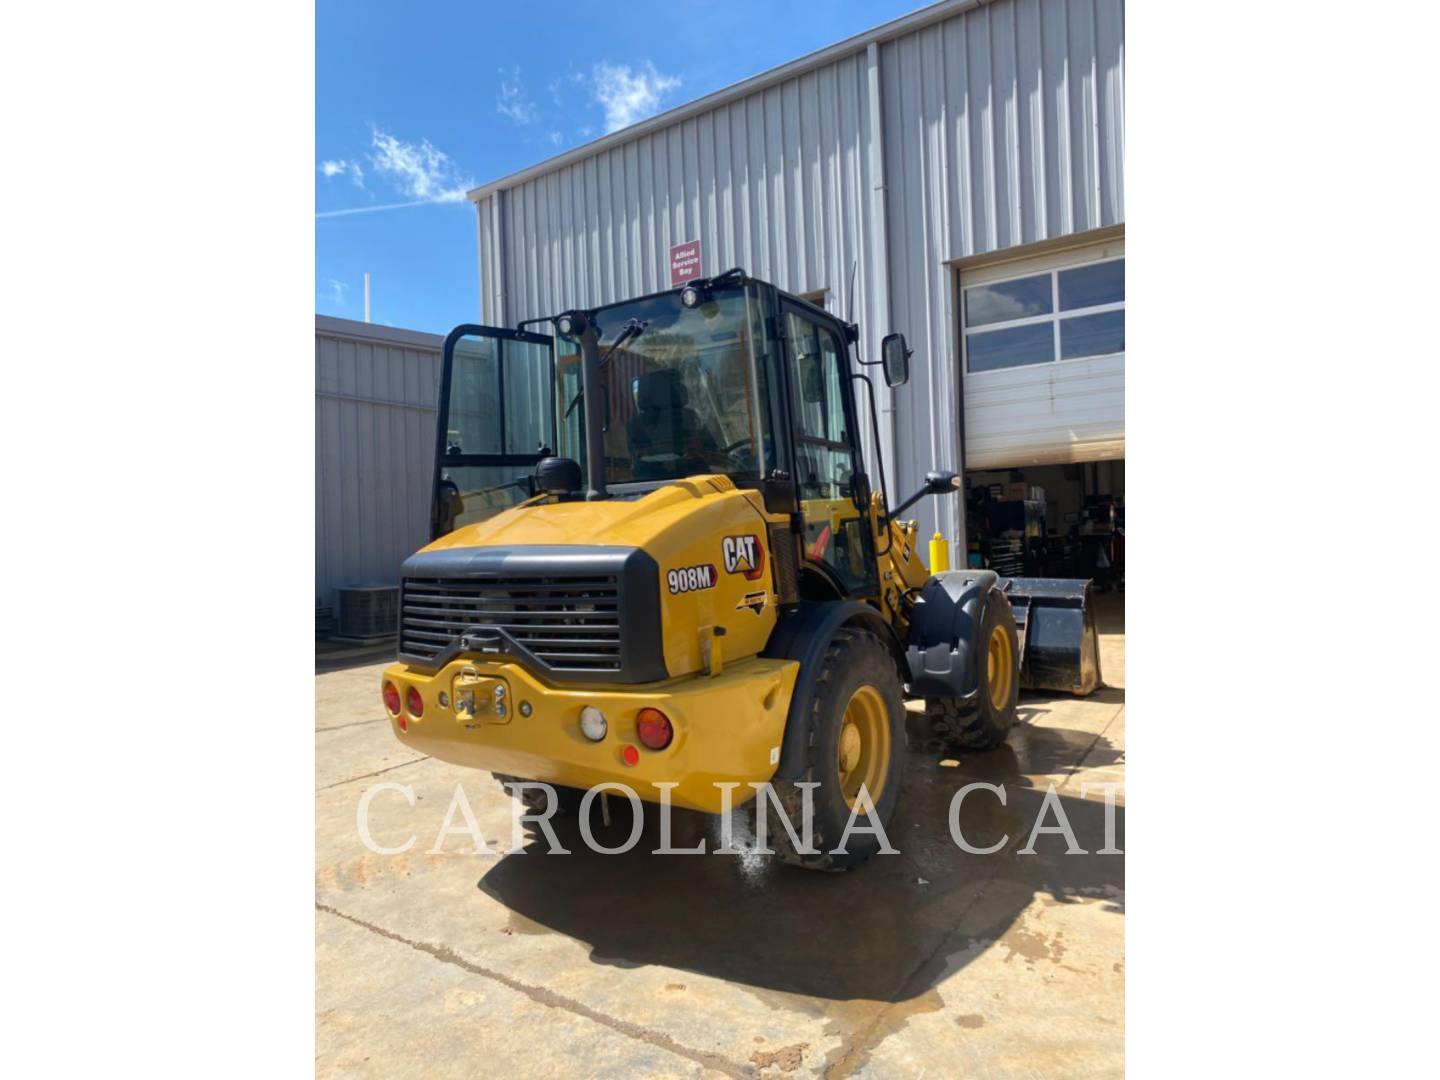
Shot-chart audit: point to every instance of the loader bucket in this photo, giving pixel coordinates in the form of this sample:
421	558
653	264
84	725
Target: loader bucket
1055	622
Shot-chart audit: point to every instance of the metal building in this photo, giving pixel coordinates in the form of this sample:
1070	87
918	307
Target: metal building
375	401
966	160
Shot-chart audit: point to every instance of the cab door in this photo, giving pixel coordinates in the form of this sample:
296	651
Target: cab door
829	475
496	421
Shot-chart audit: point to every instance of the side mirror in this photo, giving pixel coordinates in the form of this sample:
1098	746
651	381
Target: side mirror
936	483
895	358
942	483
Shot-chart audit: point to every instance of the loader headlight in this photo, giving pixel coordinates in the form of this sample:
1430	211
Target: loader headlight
592	723
691	296
570	325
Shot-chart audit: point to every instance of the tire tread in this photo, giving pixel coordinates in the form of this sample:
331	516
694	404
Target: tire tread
847	640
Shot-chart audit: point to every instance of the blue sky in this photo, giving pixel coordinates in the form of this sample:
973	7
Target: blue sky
416	102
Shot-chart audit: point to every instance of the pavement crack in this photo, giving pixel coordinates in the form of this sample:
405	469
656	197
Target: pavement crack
550	999
1080	761
377	772
854	1046
357	723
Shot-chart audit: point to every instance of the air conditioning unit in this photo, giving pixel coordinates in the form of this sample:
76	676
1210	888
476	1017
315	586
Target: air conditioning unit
368	612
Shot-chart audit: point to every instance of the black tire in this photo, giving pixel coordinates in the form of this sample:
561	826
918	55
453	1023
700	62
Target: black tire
854	658
980	724
567	799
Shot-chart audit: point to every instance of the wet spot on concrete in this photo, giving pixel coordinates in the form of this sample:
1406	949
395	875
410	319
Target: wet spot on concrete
1031	946
787	1059
903	939
970	1020
861	1028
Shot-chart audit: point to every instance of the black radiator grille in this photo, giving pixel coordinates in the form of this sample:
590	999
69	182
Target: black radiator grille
568	623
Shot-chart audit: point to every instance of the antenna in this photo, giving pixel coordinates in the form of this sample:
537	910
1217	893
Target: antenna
367	297
849	297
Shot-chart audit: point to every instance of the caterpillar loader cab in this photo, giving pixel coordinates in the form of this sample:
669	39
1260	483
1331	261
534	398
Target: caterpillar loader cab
657	559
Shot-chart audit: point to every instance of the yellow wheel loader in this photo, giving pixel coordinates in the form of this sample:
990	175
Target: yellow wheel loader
658	560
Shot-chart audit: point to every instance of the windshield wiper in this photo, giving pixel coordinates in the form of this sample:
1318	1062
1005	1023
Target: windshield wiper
632	329
629	332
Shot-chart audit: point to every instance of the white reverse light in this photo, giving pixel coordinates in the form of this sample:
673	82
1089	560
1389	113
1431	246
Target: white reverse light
592	723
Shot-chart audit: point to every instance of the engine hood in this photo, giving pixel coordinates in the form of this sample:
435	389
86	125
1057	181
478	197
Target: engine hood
675	557
634	522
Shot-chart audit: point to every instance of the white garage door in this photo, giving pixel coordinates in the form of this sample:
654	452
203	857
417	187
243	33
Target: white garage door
1043	349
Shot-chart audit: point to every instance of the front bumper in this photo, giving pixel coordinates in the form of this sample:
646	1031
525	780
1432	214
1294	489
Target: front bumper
728	729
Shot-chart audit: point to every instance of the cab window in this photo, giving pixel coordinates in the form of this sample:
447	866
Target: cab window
825	460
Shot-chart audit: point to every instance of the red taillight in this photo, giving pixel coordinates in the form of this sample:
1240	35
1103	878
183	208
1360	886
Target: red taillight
653	727
414	703
404	726
392	698
630	755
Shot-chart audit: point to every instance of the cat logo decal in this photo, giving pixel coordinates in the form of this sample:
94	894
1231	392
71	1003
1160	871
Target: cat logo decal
744	555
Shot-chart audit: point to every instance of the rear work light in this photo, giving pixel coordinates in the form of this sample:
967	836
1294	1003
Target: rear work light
653	728
392	698
592	723
414	703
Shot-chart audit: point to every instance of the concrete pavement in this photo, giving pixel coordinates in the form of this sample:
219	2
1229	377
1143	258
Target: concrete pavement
933	962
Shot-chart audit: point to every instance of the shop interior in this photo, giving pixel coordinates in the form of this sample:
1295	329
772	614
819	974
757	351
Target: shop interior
1061	521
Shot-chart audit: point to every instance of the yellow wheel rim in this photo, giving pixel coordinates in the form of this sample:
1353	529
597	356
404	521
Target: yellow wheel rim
862	752
1001	663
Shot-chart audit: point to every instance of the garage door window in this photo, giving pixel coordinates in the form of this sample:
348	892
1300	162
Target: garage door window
1064	314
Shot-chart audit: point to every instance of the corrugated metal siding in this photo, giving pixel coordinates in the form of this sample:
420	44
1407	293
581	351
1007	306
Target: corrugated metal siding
375	403
1002	125
777	183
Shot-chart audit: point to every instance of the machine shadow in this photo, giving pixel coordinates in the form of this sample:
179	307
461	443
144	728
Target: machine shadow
888	931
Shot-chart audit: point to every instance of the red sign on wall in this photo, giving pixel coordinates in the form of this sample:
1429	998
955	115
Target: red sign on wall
684	262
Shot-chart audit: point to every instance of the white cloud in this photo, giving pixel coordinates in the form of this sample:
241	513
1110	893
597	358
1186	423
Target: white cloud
419	170
629	94
555	137
337	291
340	167
512	101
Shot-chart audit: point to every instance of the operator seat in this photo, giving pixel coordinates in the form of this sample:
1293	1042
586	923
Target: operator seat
664	430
